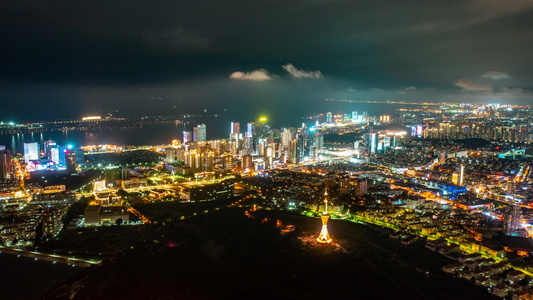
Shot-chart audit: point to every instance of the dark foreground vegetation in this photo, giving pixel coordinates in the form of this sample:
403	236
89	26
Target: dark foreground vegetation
225	254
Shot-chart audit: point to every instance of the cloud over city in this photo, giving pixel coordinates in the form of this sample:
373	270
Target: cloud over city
255	75
296	73
496	75
468	85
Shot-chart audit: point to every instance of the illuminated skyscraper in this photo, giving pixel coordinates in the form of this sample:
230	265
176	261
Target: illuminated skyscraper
386	142
324	238
70	159
201	133
235	128
47	146
187	137
5	164
329	118
31	151
461	175
373	142
250	129
319	142
286	137
247	163
54	155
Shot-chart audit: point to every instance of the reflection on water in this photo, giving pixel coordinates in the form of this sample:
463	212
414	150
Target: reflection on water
146	135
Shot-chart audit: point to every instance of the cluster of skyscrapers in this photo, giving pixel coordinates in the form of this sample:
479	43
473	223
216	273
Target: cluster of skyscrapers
259	147
54	156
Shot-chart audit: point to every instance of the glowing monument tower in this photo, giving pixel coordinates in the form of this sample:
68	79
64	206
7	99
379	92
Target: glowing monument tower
324	235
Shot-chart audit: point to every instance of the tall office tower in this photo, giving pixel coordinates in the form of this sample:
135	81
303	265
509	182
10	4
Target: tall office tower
286	137
70	159
194	133
373	142
302	145
386	142
54	154
235	128
201	133
319	142
5	164
354	115
261	147
247	163
293	151
329	118
47	146
461	175
31	151
250	129
187	137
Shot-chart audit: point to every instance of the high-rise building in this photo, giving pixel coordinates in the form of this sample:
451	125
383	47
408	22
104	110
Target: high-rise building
286	137
386	142
201	133
247	163
5	164
329	118
235	128
54	154
250	129
514	221
70	159
227	162
344	183
319	142
31	151
47	146
187	137
373	142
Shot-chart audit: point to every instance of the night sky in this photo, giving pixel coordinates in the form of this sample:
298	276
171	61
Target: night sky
64	59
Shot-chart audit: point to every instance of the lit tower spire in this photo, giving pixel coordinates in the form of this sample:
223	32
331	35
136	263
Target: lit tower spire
324	235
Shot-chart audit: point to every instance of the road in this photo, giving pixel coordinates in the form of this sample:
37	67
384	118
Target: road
50	257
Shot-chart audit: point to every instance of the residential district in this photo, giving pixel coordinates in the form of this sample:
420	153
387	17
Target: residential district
456	177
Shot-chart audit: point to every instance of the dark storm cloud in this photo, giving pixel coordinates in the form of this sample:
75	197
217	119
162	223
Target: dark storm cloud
76	49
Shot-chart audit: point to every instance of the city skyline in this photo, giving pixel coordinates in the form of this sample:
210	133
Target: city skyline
445	188
266	150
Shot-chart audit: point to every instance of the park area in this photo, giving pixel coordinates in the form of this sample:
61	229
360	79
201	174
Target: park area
235	253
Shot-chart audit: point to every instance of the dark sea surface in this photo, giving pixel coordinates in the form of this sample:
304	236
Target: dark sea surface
27	278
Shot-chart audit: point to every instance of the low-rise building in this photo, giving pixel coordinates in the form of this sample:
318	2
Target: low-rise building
514	276
501	290
105	215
